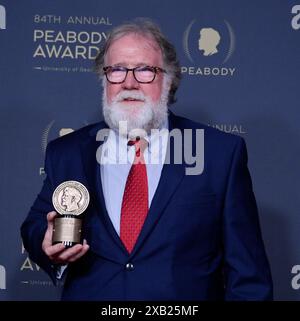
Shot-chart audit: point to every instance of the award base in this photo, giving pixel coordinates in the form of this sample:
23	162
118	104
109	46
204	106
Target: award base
67	230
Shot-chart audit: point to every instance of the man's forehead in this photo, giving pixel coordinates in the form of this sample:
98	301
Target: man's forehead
145	41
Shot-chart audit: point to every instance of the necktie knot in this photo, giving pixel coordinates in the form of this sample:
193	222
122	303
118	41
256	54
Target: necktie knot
140	145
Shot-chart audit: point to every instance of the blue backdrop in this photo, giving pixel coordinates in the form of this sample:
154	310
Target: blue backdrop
249	87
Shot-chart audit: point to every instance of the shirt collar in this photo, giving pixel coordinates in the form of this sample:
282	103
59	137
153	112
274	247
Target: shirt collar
117	151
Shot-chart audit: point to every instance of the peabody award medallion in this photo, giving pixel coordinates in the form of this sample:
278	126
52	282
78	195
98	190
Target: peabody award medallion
70	199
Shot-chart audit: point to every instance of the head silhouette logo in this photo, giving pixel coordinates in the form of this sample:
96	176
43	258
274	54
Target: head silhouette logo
202	41
2	18
65	131
208	45
208	41
52	130
2	278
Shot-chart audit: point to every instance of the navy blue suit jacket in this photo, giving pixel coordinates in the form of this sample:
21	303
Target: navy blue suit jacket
201	239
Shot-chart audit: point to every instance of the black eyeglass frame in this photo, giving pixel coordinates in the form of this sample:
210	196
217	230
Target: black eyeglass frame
154	69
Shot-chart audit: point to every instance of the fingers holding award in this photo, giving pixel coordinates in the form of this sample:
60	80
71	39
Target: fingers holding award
70	200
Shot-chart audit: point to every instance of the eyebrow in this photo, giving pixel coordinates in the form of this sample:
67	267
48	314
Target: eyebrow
123	64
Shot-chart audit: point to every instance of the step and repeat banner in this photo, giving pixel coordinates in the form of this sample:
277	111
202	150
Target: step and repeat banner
240	67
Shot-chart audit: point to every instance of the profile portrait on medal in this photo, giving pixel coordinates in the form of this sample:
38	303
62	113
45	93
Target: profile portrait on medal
71	198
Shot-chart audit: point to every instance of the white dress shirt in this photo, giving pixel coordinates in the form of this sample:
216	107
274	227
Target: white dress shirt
116	160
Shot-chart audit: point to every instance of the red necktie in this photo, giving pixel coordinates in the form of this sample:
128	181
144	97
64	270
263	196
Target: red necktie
135	198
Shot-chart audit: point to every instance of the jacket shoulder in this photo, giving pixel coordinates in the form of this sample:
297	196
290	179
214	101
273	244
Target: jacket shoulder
72	140
212	135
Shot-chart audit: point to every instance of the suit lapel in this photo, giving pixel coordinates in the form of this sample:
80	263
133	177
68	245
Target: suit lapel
90	153
172	174
89	149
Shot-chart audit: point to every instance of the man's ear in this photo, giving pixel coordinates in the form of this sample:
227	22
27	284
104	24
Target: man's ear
168	84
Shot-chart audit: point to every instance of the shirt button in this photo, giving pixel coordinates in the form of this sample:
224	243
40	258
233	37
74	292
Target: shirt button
129	266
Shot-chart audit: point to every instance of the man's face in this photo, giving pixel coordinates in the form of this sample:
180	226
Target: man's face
66	198
131	51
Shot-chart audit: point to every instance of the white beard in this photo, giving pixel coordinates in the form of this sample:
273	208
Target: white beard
138	119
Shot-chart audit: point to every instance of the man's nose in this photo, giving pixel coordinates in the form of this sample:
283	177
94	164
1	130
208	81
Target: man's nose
130	82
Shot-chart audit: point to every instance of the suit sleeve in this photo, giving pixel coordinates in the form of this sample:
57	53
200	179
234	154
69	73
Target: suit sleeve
247	271
34	227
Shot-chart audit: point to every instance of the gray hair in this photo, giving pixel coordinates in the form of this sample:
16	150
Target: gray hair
147	28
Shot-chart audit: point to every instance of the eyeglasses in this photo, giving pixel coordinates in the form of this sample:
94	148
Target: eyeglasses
142	74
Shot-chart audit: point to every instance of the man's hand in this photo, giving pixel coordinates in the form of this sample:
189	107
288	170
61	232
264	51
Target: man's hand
58	253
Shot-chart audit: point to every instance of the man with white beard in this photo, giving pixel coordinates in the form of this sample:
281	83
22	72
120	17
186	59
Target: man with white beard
152	231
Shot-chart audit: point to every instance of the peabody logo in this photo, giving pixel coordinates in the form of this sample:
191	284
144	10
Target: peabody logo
53	130
2	278
208	47
2	18
60	132
208	41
